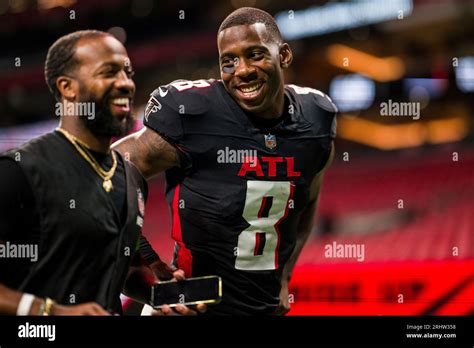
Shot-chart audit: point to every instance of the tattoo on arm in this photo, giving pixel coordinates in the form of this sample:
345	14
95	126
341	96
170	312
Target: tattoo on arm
148	151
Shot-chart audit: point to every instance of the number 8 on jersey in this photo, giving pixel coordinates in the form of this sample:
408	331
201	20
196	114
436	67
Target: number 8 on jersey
266	205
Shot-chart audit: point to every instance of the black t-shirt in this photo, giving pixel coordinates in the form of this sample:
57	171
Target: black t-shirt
231	217
84	250
19	218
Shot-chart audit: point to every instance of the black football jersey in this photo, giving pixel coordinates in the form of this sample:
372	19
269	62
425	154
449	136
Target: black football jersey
238	196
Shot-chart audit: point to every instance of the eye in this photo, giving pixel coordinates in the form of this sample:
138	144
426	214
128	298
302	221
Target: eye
256	55
227	62
109	73
130	73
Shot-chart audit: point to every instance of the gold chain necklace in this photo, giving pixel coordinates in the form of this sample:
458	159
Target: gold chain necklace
84	152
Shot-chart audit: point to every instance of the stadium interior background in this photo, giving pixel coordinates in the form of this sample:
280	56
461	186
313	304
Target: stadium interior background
400	186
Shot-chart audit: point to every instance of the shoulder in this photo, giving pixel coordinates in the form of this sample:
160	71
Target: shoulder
168	104
317	108
9	168
182	97
313	97
37	146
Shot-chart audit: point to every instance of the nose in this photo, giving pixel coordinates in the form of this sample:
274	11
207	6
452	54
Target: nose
244	70
124	82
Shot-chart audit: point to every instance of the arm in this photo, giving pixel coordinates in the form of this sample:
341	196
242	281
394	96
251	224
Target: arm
161	269
10	300
305	225
139	281
146	269
150	153
141	278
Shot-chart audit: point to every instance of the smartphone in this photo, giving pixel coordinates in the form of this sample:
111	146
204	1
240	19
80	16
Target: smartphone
190	291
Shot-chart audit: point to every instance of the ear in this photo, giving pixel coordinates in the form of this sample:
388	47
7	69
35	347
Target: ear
67	86
286	56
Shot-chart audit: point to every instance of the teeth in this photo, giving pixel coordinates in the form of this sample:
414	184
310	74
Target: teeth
121	101
251	89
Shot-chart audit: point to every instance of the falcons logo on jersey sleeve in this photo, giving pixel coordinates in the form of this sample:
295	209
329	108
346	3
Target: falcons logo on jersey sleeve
152	106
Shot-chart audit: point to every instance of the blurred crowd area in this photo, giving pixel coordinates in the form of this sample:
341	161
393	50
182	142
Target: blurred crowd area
401	185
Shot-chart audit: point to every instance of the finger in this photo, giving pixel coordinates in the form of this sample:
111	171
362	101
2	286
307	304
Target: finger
201	307
179	274
183	310
166	310
157	313
98	310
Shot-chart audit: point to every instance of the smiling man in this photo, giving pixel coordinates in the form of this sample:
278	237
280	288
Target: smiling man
79	202
247	220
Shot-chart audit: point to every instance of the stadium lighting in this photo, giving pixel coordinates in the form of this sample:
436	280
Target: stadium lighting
319	20
49	4
352	92
379	69
398	136
465	74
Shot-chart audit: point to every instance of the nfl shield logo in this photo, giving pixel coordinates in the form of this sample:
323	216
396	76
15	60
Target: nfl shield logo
270	141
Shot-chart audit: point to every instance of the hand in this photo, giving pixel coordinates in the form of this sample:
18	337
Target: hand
90	308
284	305
164	272
180	310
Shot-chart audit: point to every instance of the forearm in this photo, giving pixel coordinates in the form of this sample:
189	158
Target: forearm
150	153
161	269
139	282
10	299
129	148
147	269
147	252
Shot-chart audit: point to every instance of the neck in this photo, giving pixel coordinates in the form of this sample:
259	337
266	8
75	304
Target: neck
277	108
74	125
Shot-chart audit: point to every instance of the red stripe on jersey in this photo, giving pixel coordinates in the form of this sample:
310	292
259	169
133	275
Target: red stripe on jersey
257	243
292	187
262	206
184	259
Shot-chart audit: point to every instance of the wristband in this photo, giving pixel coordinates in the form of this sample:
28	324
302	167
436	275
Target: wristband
24	306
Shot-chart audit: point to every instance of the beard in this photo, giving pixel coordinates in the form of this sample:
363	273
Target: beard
104	124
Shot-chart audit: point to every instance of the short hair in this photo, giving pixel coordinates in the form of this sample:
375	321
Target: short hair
61	57
252	15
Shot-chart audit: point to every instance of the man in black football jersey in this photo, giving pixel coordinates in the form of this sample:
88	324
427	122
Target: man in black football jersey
71	205
244	159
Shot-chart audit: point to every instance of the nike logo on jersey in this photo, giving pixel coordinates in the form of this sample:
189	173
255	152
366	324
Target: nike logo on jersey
162	93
